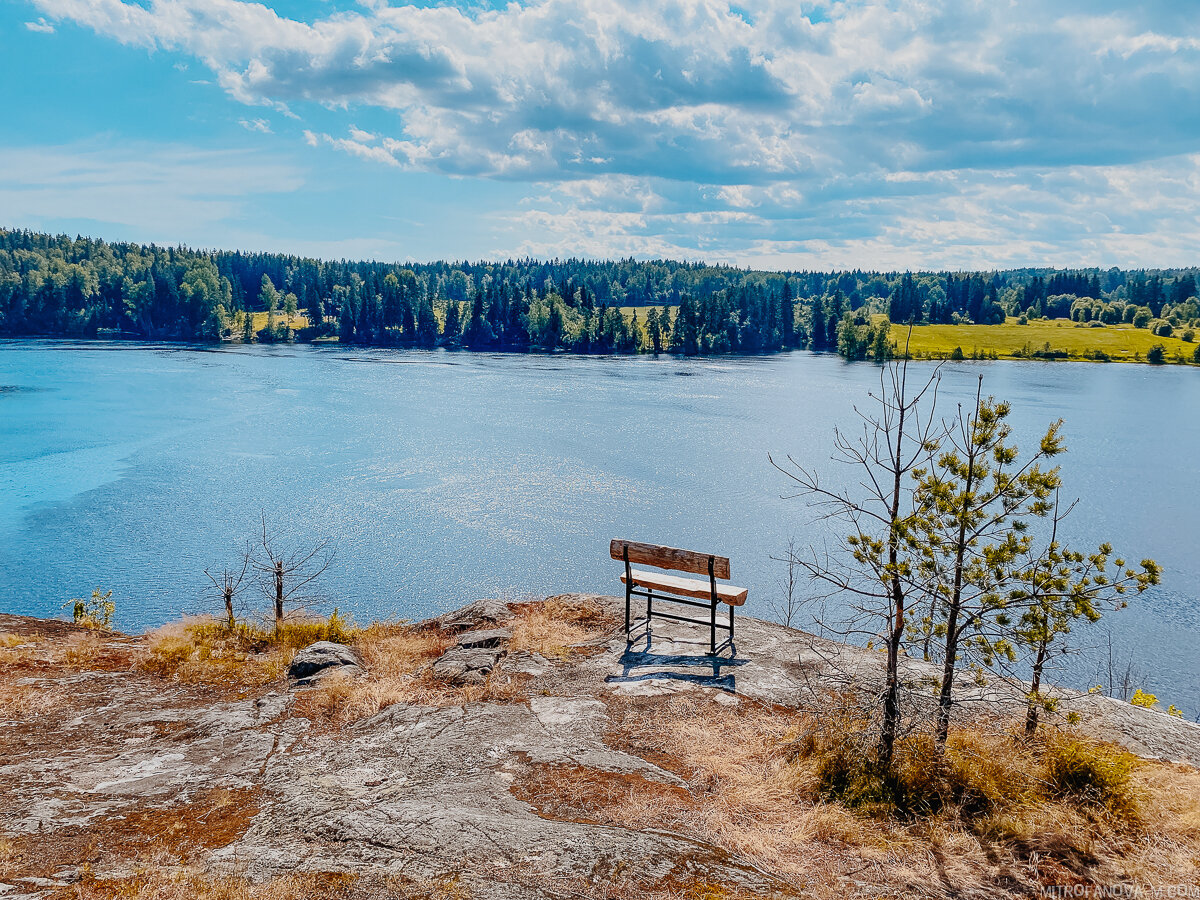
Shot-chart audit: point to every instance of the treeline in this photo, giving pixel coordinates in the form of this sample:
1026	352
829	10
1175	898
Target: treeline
61	286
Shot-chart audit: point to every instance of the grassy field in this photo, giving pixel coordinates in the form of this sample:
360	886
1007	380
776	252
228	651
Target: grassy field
642	311
1014	341
298	321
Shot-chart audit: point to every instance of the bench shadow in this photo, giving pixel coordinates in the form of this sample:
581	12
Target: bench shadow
639	654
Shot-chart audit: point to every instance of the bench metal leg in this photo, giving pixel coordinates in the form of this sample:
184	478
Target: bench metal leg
628	589
712	621
649	607
712	630
731	624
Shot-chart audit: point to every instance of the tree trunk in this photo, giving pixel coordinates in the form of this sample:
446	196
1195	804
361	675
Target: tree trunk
891	699
278	597
946	694
950	662
1031	714
229	607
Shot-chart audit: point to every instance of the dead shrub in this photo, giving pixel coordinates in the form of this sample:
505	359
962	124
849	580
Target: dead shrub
82	651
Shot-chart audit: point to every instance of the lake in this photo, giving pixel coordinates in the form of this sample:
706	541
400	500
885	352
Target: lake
443	477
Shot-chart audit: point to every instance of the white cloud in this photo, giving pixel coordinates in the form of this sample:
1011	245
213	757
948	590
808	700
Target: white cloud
41	26
1085	215
923	132
262	126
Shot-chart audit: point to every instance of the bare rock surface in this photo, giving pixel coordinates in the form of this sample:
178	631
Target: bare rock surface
473	657
424	791
316	661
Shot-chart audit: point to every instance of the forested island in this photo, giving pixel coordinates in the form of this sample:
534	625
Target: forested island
58	286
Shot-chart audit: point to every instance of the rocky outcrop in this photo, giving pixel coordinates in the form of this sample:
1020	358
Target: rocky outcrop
473	658
319	660
421	791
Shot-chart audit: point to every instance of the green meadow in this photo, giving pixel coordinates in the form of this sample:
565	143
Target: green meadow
1058	338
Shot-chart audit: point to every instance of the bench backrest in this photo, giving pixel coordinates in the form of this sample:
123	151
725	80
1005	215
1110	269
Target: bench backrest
670	558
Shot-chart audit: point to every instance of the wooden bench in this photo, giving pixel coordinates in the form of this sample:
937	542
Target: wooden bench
641	583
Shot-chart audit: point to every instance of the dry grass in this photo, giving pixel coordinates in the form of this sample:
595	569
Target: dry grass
755	786
397	658
179	832
22	702
560	627
29	661
157	879
205	652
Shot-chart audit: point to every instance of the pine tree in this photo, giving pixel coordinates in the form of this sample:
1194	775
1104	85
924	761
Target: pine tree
452	329
818	336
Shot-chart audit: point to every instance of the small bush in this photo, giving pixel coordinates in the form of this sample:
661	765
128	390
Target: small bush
1143	699
94	613
956	353
1091	775
1188	335
976	775
1156	355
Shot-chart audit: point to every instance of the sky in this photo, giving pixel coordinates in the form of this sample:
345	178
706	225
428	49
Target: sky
876	134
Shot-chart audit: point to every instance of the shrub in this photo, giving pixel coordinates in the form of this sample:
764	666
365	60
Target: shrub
94	613
1143	699
977	775
1196	355
956	353
1156	355
1188	335
1162	329
1091	775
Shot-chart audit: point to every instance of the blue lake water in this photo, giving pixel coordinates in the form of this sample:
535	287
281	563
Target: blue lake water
444	477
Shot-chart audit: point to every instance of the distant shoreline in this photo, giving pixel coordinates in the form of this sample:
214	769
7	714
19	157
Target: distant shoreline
932	343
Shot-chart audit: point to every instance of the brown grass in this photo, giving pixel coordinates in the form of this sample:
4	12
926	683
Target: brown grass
201	652
397	658
560	627
754	786
22	701
178	831
157	879
34	657
207	651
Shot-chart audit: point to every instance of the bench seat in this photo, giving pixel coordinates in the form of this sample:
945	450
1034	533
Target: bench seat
687	587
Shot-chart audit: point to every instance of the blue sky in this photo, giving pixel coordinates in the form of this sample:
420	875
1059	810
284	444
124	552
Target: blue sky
901	134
